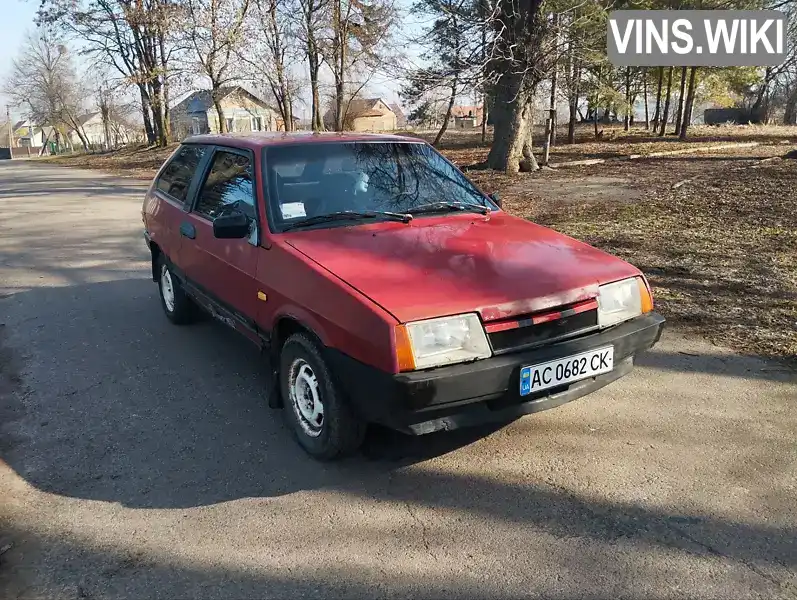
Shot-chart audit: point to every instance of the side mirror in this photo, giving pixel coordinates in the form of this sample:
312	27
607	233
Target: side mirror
231	225
496	198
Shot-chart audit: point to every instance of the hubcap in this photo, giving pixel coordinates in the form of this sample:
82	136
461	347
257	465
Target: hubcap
167	289
306	397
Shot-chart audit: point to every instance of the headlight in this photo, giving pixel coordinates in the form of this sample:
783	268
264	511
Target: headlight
442	341
623	300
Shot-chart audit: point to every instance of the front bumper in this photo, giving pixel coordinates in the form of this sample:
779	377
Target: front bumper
485	390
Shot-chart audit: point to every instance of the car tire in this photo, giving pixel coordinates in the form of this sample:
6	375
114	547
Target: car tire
315	407
179	308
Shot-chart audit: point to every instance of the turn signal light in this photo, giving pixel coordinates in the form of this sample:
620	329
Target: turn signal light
404	354
645	295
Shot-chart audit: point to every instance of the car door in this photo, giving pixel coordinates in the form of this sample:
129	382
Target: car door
224	269
171	196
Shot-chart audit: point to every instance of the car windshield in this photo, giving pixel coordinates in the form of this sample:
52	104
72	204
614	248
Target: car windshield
309	181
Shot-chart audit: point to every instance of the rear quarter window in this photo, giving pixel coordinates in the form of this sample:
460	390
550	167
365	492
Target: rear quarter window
176	177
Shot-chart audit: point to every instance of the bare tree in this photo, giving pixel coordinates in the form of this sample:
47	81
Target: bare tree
522	57
271	53
455	64
215	31
135	37
312	14
357	31
43	81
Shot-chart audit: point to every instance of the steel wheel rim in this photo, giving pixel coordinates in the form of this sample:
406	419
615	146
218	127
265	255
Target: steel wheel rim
305	393
167	288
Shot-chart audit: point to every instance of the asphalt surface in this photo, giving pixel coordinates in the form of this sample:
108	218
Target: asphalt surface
140	459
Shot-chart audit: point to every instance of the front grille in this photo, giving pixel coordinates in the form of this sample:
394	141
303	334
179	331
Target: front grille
542	333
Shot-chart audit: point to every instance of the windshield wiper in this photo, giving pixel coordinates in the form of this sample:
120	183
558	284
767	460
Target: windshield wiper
450	206
349	215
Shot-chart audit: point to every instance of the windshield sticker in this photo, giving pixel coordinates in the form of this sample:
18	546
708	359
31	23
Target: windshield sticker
292	210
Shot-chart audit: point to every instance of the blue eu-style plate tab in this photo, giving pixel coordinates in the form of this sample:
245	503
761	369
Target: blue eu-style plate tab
525	381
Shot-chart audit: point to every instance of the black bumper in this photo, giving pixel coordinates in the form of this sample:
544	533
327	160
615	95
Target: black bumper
484	390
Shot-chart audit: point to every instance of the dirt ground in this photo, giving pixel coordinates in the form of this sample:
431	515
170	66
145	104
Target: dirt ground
715	232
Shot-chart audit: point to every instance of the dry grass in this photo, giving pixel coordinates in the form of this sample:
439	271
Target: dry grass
720	250
465	147
133	161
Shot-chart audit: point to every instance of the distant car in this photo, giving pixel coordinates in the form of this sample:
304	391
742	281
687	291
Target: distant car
385	287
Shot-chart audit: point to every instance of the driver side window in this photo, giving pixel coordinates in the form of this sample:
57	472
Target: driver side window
229	184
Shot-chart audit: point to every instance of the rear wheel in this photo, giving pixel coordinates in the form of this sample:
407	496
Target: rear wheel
315	407
178	307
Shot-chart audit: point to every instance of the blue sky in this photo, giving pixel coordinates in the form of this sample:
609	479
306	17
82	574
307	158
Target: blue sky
16	19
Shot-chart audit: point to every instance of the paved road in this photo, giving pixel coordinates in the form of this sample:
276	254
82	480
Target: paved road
140	459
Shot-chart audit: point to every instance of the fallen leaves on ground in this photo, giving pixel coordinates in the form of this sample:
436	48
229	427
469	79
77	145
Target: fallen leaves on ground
720	251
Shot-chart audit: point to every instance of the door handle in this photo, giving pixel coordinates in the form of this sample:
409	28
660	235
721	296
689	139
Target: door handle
187	230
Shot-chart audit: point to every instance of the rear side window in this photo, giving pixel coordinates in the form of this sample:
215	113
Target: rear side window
176	177
228	186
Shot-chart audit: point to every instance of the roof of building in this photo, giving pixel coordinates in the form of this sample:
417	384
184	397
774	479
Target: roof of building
83	119
396	109
365	107
202	101
466	111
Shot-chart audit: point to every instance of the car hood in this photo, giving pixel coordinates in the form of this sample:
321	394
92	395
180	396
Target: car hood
499	265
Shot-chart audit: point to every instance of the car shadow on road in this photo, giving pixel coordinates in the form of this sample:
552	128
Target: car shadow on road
128	408
115	404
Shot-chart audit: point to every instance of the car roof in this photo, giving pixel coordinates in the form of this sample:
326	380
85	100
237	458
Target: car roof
260	139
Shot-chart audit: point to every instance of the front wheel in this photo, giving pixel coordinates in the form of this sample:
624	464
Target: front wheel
178	307
315	407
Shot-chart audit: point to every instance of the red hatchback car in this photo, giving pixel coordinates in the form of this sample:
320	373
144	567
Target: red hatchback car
385	286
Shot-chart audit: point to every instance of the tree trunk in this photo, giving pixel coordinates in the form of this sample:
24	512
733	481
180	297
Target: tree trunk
645	98
76	127
759	108
316	118
318	121
449	110
483	14
511	149
145	112
220	113
339	103
485	109
571	126
106	125
528	162
339	44
554	78
666	112
627	118
657	113
552	110
790	112
157	112
679	115
690	100
167	126
575	89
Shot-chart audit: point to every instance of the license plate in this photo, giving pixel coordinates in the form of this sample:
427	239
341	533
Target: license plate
566	370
